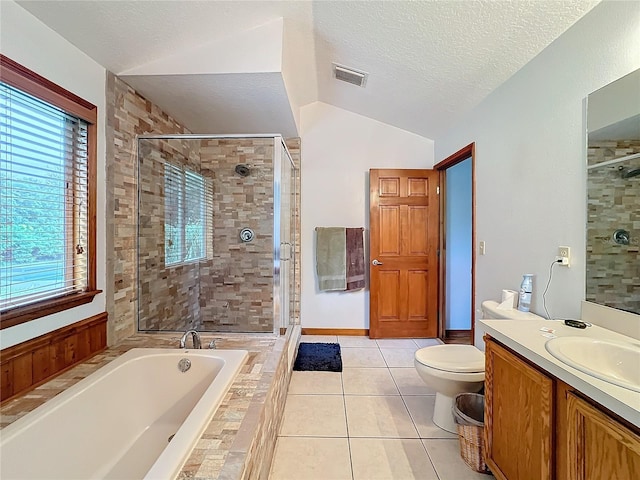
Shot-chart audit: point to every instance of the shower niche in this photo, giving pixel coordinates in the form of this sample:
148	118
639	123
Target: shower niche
216	233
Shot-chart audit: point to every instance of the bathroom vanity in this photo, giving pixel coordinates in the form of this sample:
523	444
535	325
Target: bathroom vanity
546	420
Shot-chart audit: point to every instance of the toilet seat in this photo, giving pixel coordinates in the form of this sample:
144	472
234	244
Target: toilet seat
452	358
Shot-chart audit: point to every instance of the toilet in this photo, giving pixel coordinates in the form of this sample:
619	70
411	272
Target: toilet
453	369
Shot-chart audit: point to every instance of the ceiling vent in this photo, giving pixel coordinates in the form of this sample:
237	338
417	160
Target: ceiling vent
349	75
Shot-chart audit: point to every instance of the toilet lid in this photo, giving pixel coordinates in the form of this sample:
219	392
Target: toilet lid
452	358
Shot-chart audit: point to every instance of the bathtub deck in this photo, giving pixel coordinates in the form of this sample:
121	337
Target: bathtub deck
219	452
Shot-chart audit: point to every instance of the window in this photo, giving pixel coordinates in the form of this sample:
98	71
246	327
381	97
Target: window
186	202
47	197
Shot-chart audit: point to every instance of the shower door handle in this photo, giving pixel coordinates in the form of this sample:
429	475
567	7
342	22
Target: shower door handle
288	252
376	262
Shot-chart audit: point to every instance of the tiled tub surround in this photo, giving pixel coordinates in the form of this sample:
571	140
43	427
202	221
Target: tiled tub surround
238	442
613	277
180	398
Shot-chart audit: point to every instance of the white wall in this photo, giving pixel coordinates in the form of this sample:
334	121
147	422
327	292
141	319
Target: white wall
458	252
338	149
256	50
531	156
26	40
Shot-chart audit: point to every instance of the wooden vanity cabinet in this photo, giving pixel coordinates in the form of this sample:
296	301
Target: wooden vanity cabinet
599	447
518	417
538	427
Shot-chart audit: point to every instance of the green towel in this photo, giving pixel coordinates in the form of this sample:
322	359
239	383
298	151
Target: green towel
331	258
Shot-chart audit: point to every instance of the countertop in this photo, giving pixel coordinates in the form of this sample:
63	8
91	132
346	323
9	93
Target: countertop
525	338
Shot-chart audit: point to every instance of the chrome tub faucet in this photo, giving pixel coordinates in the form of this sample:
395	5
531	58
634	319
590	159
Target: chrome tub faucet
194	335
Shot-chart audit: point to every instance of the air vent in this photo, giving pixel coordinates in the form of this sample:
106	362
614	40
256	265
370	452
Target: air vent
349	75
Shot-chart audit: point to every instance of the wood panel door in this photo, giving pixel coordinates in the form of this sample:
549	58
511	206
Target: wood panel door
599	446
403	271
518	417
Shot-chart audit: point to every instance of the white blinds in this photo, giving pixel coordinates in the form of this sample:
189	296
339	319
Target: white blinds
43	200
173	214
188	200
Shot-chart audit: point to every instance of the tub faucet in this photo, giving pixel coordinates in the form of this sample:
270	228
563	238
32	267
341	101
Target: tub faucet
194	335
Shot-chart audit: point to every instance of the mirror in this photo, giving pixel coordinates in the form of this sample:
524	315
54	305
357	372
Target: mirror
613	195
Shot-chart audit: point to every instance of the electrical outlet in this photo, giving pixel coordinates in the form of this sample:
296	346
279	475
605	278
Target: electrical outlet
564	255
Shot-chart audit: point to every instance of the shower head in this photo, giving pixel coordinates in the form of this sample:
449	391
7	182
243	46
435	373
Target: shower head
243	170
630	173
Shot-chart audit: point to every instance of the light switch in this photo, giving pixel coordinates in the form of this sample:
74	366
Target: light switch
482	247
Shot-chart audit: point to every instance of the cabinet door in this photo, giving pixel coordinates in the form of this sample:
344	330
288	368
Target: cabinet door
599	446
518	417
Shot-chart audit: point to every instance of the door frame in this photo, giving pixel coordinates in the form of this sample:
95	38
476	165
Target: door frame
457	157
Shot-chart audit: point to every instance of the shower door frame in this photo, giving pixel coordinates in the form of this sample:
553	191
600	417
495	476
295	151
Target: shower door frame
278	139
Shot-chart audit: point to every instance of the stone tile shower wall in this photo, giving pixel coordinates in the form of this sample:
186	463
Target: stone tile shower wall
243	301
613	270
236	284
168	297
128	114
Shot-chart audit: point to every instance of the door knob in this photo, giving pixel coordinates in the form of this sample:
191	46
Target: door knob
376	262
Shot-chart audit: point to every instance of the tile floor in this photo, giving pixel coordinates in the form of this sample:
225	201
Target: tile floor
372	421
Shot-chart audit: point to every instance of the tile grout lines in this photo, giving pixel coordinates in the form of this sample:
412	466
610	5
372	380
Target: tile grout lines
387	361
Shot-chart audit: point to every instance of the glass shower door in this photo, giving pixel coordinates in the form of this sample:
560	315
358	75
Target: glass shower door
286	241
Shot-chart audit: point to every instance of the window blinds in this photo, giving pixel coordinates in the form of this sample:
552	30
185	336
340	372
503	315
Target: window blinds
188	213
43	200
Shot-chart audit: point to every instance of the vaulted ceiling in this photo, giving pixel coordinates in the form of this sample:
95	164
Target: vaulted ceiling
248	66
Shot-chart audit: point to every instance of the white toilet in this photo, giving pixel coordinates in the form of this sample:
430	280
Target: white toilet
453	369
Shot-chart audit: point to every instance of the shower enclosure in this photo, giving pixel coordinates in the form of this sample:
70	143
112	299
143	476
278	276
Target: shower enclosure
216	233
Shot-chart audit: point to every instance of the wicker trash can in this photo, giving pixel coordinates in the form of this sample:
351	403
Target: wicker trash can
468	413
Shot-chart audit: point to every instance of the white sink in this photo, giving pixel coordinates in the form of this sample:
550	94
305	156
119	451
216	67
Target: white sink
614	362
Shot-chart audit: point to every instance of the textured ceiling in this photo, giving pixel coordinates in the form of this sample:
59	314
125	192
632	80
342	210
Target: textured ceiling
430	62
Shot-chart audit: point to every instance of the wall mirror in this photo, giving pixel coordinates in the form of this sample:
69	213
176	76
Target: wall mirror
613	195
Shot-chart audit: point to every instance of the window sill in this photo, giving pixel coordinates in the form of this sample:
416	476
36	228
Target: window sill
16	316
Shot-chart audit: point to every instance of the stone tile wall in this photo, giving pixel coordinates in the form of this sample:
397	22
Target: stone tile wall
613	270
168	296
128	115
236	284
232	290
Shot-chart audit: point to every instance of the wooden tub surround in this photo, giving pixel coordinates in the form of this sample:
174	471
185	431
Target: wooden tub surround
34	362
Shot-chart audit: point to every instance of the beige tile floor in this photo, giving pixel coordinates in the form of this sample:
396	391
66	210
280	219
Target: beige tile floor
372	421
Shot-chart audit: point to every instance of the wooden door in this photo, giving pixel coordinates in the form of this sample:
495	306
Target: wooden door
599	446
518	417
403	278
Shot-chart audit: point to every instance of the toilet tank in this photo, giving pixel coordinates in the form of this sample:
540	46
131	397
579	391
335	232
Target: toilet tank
490	310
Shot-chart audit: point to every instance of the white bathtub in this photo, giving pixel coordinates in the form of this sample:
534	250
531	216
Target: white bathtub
116	423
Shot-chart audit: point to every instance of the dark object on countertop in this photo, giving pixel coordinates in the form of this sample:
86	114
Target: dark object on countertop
320	357
575	323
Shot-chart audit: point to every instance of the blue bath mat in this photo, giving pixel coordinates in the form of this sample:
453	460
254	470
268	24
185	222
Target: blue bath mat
319	357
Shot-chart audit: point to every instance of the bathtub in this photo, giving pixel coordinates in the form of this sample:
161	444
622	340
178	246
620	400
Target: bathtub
137	417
